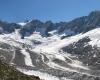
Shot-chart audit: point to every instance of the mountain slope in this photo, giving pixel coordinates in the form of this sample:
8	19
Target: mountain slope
9	73
54	51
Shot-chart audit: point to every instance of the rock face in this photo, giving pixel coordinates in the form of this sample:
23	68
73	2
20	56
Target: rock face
86	53
10	73
78	25
52	51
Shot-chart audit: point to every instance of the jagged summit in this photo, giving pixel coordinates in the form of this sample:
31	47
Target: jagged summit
78	25
96	12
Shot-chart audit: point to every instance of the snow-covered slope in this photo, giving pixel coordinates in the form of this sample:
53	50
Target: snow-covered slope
43	56
59	51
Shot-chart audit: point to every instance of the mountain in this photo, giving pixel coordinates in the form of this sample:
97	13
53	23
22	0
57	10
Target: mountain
9	73
53	51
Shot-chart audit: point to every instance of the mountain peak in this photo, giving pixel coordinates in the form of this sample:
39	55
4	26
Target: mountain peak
96	12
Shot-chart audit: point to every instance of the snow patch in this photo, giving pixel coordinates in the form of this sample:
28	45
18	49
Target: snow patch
22	23
28	60
78	64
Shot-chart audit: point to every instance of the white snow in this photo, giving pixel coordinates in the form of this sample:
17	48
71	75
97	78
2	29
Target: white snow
68	32
94	36
52	32
58	56
22	23
11	62
50	47
94	55
28	60
78	64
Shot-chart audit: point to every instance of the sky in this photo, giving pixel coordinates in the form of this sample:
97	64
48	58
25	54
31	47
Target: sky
54	10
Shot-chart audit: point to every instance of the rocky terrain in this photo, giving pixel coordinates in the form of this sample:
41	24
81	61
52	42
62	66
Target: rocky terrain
10	73
53	51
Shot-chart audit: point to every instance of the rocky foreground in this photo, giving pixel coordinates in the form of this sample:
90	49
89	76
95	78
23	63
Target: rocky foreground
9	73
